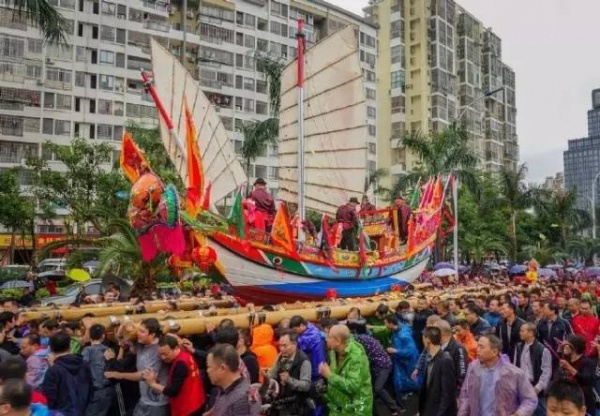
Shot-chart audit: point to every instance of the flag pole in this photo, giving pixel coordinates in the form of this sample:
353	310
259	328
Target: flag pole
455	231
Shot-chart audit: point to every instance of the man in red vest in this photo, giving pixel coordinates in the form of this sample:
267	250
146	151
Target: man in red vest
184	388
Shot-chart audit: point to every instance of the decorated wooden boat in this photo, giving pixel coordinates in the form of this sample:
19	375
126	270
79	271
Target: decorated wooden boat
323	162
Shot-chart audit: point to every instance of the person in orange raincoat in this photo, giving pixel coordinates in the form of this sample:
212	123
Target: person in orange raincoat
463	334
262	345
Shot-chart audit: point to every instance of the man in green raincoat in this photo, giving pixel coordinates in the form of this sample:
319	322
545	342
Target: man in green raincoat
349	391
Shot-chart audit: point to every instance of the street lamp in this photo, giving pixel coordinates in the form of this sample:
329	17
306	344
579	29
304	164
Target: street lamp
455	183
594	205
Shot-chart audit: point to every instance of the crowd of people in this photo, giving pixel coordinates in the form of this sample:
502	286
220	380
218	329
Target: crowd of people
529	351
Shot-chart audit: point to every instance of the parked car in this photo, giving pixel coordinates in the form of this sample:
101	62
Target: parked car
92	288
49	265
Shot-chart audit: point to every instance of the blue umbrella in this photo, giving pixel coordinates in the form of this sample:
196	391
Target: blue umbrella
16	284
592	271
443	265
545	272
518	269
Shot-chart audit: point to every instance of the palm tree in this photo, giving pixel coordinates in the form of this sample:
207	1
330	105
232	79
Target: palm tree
44	15
561	207
516	196
584	247
444	153
259	134
478	246
543	251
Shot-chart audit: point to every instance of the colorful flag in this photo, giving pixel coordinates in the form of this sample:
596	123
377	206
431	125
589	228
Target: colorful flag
416	196
206	198
133	162
194	166
236	216
282	233
438	193
427	193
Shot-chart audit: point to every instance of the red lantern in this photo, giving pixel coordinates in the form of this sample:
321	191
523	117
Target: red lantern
204	257
173	261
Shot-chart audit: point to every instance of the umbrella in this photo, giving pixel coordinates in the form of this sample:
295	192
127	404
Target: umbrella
592	271
444	272
17	284
554	266
545	272
79	275
442	265
518	269
92	264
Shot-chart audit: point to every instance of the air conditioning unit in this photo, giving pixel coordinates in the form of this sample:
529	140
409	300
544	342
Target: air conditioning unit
49	61
190	15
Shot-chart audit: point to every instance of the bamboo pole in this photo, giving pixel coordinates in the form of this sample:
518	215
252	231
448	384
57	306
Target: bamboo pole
124	309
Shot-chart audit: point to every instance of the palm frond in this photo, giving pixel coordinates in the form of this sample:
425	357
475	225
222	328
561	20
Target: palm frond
43	14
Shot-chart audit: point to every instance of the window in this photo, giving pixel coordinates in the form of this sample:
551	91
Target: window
48	126
396	29
371	112
250	20
249	84
262	24
398	104
58	75
107	82
372	148
370	76
117	133
62	127
105	131
261	86
121	36
261	107
94	32
397	52
49	100
249	41
372	130
80	79
279	9
34	46
398	80
107	57
367	40
104	107
92	107
262	45
63	102
370	94
108	9
120	60
34	71
107	33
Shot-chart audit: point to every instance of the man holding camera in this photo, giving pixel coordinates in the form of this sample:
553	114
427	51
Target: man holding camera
292	371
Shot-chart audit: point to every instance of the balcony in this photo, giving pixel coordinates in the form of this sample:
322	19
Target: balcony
158	26
159	6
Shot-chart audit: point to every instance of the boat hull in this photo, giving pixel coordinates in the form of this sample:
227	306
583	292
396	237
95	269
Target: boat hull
261	284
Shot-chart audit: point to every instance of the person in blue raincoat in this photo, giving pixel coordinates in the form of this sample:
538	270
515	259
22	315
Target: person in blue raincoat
312	344
404	355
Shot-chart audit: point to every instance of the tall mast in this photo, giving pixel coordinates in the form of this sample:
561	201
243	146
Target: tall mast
300	37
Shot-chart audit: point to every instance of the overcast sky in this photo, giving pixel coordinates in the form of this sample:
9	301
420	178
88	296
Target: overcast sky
553	47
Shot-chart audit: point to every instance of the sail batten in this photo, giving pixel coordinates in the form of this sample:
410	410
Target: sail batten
335	125
172	81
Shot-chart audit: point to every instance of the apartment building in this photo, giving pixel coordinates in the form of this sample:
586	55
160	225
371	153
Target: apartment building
436	63
92	86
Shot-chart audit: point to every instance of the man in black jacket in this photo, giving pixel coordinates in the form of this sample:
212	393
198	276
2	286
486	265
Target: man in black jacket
457	351
477	324
536	361
438	390
67	383
508	329
422	312
552	329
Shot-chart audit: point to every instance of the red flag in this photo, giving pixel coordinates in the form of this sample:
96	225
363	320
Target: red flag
206	199
427	192
194	162
132	161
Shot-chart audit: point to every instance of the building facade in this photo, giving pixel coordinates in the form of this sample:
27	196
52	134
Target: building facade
581	165
92	86
554	183
594	115
436	64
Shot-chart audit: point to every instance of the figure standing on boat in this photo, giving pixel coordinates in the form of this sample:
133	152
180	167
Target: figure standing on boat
264	205
366	205
347	217
400	214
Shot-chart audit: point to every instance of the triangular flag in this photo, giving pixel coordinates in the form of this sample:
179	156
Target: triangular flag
282	233
236	215
195	181
416	196
133	163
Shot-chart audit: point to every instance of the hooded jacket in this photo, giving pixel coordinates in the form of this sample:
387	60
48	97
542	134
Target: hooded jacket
349	391
67	385
312	344
262	345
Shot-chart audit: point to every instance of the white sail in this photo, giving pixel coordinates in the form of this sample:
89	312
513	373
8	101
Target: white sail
335	125
221	165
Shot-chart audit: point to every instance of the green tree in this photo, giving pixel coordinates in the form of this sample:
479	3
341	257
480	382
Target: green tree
516	197
45	16
86	185
584	247
560	207
543	251
476	247
17	212
444	153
